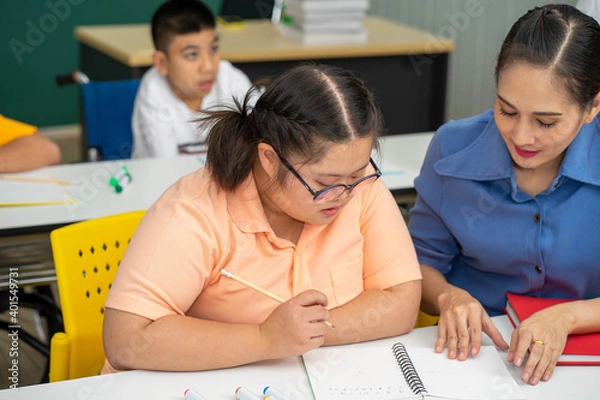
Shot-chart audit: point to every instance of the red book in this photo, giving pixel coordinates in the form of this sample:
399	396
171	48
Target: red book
579	350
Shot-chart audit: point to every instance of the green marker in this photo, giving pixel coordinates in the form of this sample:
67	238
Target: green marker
120	179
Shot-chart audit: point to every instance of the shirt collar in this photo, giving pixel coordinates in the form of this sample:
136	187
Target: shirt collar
582	159
248	214
487	157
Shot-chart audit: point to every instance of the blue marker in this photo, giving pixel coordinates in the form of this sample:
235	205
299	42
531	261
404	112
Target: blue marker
276	394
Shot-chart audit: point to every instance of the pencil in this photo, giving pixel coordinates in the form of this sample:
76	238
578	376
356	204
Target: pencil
40	180
261	290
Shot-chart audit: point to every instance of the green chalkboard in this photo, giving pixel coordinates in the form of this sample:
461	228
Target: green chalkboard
37	44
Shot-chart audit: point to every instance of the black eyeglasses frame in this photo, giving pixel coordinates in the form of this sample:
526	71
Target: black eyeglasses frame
347	188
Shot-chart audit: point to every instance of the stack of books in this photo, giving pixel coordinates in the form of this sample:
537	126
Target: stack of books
325	22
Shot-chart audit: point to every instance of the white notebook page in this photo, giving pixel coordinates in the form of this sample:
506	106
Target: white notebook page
365	372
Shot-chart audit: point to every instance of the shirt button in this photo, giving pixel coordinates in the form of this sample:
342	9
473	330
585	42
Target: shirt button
538	269
536	218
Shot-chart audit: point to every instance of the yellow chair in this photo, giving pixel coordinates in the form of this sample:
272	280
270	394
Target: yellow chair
424	319
86	257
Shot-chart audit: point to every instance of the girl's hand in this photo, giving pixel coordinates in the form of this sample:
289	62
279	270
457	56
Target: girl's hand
296	326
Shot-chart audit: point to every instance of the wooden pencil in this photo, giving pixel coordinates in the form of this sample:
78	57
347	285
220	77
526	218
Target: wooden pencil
261	290
39	180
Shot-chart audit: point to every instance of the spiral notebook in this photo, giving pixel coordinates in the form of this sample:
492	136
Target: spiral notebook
391	373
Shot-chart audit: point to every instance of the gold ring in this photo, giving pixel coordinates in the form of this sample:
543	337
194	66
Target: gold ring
538	342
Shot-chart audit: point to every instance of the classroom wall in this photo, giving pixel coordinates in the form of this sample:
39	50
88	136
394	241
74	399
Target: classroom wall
37	44
478	28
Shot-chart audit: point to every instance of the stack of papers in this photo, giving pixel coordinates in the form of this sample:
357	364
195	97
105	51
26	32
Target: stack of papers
326	22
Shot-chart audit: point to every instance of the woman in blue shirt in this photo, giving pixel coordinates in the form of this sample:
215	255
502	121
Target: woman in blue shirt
508	200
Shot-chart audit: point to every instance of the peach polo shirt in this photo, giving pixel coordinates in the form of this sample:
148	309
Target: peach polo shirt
173	263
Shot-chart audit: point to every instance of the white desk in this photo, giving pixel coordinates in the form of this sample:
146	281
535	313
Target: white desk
93	194
400	160
568	382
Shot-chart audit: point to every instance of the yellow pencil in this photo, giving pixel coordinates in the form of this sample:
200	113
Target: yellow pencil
40	180
261	290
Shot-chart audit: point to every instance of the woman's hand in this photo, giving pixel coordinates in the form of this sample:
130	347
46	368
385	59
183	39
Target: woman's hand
297	325
462	321
545	335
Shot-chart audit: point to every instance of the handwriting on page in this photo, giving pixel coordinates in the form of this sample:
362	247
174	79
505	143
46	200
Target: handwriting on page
373	392
355	374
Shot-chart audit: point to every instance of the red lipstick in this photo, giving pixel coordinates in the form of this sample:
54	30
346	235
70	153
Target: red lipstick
525	153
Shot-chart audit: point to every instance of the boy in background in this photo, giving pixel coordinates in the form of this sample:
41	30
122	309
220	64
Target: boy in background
23	148
188	75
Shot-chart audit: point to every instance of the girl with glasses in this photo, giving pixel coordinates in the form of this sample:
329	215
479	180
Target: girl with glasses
290	201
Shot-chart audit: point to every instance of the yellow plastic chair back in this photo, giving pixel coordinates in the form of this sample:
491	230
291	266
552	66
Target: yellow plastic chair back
86	257
424	319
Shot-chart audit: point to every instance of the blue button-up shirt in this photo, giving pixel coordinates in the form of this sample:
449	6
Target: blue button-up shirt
472	223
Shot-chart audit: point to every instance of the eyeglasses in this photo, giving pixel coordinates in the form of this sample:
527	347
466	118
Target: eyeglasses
332	192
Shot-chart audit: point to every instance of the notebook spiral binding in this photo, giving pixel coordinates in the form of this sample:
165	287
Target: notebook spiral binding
408	369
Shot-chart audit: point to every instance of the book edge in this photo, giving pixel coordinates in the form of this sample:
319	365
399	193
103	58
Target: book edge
583	359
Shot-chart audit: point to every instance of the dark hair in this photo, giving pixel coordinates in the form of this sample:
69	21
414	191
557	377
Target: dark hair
178	17
302	112
563	39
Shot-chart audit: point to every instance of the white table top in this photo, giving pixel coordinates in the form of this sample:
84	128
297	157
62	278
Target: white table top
400	160
287	375
94	196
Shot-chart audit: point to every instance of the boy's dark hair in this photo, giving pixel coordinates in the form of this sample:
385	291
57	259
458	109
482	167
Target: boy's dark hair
178	17
302	112
564	40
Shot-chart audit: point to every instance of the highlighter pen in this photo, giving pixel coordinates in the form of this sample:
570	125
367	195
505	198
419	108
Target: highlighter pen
242	393
276	394
120	179
191	394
